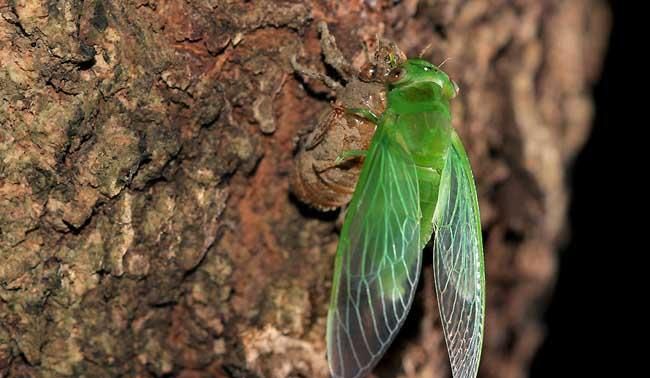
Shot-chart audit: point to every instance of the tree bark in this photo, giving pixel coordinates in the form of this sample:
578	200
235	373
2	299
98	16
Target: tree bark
146	227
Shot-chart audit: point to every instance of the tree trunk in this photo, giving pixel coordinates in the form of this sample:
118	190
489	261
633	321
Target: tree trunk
146	226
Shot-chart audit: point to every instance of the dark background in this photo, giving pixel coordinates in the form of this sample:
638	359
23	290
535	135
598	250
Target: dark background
591	326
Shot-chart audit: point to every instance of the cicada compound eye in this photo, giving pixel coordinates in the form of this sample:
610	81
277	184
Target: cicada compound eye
396	75
368	73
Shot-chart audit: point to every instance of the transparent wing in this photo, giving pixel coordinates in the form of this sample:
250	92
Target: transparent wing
458	263
377	264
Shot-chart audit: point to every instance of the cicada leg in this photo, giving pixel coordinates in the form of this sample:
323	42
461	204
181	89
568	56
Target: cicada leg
333	56
349	154
324	125
366	114
340	160
313	74
334	185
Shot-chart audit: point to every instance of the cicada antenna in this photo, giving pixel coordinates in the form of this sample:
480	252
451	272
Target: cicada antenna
425	50
443	62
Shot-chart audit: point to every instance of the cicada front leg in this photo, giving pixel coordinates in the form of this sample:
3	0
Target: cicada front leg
333	58
306	72
333	55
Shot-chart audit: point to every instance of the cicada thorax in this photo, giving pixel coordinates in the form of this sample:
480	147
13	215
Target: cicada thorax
317	179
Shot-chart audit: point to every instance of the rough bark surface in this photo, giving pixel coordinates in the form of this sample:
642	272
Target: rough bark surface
146	228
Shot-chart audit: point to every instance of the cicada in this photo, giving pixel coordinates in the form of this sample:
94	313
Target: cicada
317	178
416	180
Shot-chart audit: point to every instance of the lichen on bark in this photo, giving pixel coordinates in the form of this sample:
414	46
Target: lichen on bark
146	226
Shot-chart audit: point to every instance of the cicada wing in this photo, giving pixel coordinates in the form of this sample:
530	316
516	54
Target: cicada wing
377	264
458	263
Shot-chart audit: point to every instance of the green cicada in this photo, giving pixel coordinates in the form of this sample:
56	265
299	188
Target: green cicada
416	179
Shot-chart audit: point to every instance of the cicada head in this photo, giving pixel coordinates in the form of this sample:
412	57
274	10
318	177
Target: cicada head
415	71
387	56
